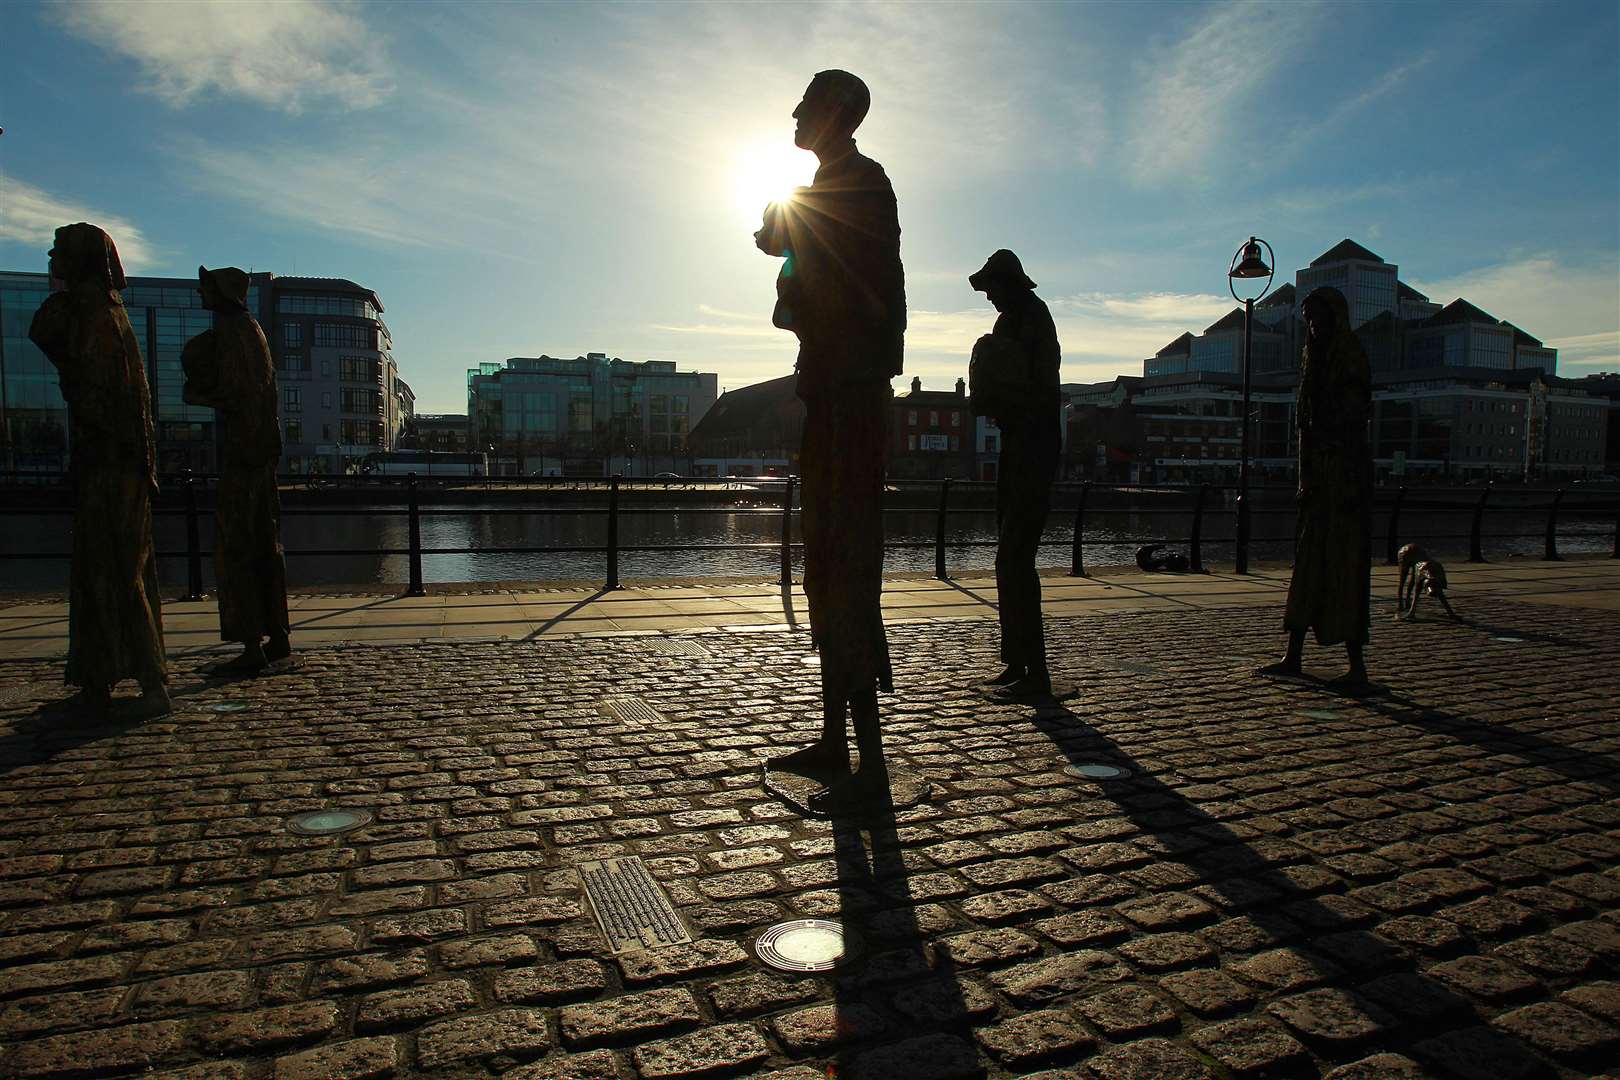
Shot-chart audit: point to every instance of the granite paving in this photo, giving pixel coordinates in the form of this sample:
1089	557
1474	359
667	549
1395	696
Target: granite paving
1284	882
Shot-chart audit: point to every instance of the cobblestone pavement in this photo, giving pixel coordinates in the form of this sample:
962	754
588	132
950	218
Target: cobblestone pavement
1286	883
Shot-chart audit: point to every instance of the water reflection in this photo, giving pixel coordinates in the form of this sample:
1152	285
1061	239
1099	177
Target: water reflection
1112	537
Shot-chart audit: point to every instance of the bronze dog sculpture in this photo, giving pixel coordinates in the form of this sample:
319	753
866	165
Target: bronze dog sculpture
1420	576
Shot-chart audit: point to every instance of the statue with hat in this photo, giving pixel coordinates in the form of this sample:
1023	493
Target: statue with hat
115	618
1013	375
228	369
841	291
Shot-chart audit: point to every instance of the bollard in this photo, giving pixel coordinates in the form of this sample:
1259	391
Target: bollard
613	533
415	588
1551	554
193	541
939	530
787	533
1196	552
1476	550
1240	556
1077	561
1392	543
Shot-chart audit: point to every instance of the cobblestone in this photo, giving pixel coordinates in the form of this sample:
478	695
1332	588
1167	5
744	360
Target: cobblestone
1267	893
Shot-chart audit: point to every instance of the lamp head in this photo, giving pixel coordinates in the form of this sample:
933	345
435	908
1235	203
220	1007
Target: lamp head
1251	265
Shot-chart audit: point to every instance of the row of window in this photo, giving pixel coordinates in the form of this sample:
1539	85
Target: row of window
325	305
933	417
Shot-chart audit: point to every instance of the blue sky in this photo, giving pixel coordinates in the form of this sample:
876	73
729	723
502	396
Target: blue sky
523	178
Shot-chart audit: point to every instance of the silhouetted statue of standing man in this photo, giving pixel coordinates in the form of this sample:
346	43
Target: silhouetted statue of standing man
228	369
1015	377
115	621
842	292
1330	588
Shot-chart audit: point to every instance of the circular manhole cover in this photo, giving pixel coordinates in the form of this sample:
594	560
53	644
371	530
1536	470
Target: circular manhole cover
328	822
230	706
804	945
1097	771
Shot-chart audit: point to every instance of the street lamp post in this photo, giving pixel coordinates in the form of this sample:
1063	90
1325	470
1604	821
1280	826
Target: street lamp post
1247	265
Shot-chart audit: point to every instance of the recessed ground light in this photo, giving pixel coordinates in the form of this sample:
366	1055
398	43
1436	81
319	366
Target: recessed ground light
1097	771
1319	714
328	822
230	706
804	945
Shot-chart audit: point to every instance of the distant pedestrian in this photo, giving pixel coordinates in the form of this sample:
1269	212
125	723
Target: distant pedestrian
1331	585
228	369
1014	372
115	618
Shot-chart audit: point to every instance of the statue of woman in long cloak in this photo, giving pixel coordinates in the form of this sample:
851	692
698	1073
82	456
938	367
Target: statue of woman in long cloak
115	626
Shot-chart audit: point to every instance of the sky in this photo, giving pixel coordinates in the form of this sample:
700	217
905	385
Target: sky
521	178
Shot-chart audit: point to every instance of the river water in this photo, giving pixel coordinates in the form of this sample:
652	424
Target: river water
1111	538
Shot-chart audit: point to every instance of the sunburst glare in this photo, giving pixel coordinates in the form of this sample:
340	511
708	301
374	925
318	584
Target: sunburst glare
768	171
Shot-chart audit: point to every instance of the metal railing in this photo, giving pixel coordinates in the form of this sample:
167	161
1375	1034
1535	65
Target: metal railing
776	496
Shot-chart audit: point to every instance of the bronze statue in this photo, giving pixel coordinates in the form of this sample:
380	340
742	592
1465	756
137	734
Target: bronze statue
841	291
1331	585
1421	575
1014	373
228	369
115	620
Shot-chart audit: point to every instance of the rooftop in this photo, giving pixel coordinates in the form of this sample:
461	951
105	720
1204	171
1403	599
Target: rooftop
1345	250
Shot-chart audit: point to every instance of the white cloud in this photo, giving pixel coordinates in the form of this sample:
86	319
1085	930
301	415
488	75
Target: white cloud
1197	87
285	54
1576	309
30	217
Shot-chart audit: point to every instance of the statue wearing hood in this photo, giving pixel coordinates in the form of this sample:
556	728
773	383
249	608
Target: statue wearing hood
228	369
115	625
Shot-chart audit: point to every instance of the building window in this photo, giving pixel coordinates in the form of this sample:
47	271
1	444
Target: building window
911	417
990	444
911	440
326	399
292	335
345	336
295	431
326	369
933	418
292	399
956	418
359	369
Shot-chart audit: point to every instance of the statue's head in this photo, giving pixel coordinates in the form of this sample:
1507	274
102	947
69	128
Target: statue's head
85	255
834	105
223	289
1002	280
1326	313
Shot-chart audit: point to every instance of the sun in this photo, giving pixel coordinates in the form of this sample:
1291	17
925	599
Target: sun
766	172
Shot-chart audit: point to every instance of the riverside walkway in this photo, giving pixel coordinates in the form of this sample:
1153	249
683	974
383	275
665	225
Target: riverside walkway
1281	882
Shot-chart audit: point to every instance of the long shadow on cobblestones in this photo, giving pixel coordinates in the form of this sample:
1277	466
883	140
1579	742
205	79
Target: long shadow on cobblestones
565	614
38	737
1535	750
876	897
1355	993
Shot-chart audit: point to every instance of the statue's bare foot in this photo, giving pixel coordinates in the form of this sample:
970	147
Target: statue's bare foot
154	701
252	660
817	758
1282	669
277	648
1010	673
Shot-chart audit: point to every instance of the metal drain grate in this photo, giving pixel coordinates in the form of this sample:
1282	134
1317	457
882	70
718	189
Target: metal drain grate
630	907
632	710
677	647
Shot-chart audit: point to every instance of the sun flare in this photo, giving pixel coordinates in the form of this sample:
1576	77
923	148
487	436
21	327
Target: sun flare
767	172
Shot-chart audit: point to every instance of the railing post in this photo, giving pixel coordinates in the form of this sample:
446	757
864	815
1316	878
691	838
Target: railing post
415	512
1392	543
613	533
1196	546
1476	550
787	533
939	530
1077	561
1616	554
1551	554
193	541
1240	556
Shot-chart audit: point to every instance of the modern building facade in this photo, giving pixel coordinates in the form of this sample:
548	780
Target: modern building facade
592	415
338	390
